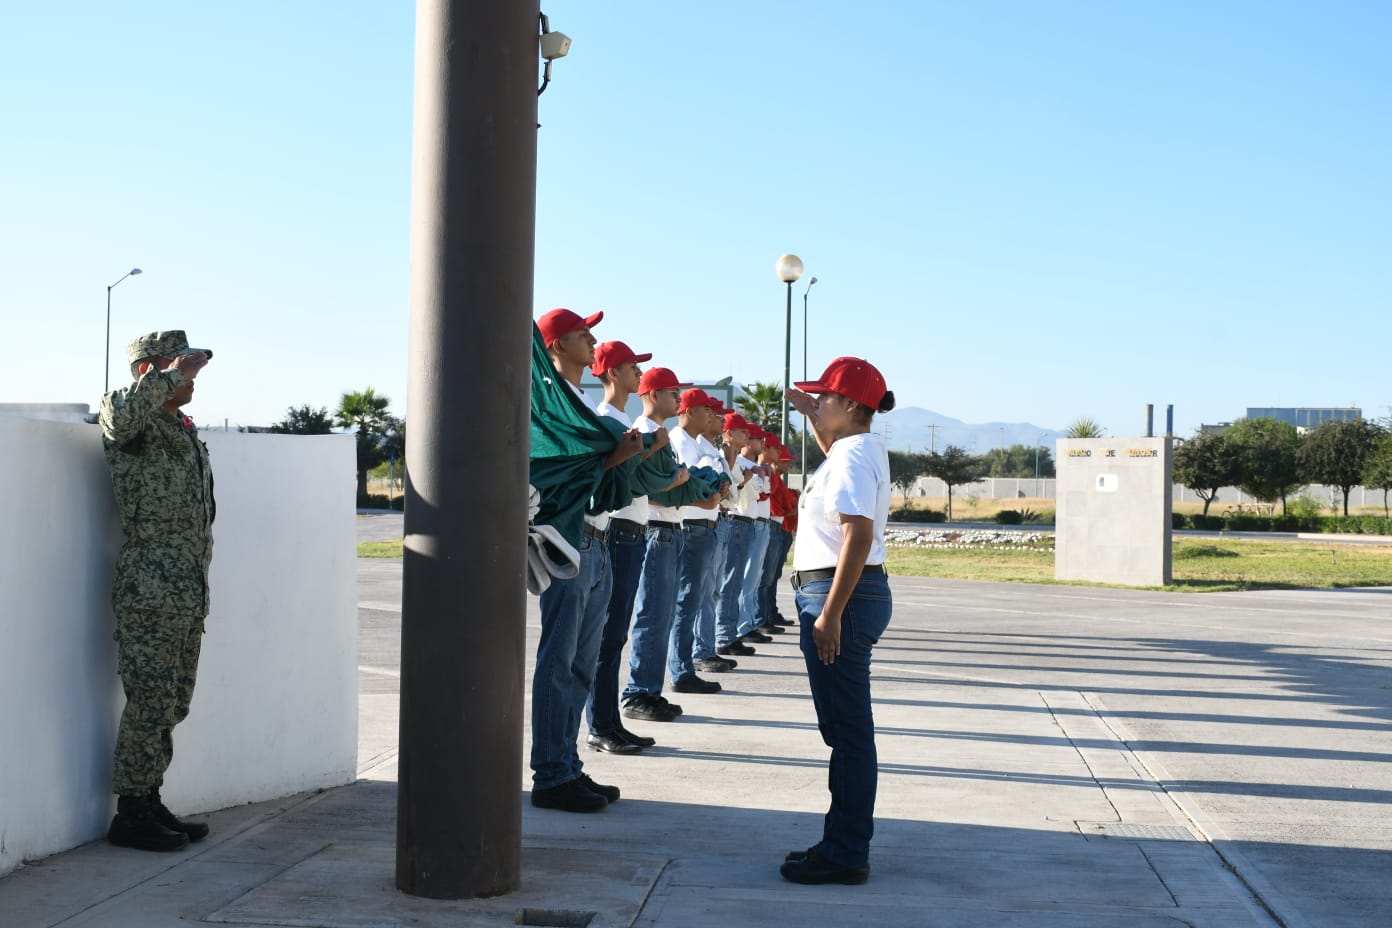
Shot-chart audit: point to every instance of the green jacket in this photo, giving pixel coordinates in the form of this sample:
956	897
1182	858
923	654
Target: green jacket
164	490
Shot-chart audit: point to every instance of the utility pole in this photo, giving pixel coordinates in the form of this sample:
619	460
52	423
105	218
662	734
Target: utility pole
463	601
933	438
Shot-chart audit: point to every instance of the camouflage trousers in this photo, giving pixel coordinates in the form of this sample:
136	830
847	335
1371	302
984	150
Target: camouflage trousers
157	657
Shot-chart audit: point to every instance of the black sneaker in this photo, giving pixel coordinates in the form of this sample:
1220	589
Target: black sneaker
694	684
611	743
769	628
756	636
669	706
607	793
813	868
780	619
736	647
571	796
715	664
643	741
136	826
646	708
196	831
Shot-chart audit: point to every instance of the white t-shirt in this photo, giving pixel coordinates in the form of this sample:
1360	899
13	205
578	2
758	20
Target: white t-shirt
854	481
657	513
695	452
746	498
636	510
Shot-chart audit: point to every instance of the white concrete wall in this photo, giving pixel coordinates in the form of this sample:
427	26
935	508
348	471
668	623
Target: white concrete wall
275	711
1113	520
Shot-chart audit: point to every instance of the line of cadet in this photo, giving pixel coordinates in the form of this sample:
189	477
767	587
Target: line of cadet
684	570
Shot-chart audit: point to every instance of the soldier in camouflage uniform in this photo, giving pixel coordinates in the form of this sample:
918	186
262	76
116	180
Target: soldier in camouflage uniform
164	490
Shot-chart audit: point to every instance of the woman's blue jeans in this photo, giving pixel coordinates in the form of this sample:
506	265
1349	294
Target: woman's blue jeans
841	693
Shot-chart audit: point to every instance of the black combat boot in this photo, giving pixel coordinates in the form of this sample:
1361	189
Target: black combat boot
137	826
196	831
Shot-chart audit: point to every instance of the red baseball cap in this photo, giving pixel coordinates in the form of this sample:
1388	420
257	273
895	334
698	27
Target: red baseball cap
784	454
560	322
609	355
693	398
659	378
757	434
734	420
855	378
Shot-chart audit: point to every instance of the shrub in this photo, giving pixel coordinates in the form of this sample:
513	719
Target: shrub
374	501
1206	523
1178	520
1042	517
909	514
1009	517
1304	506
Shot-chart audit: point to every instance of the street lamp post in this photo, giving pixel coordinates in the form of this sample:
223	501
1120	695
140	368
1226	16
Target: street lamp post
106	382
789	269
803	485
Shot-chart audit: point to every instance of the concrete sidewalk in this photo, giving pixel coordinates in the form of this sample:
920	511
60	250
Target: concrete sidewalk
1050	757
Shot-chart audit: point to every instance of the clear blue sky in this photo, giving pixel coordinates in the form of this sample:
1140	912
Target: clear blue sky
1017	210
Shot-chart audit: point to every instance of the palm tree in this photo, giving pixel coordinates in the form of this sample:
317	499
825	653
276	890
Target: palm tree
366	413
1085	427
762	404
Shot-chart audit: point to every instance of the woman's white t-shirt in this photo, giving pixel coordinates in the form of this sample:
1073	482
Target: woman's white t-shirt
854	481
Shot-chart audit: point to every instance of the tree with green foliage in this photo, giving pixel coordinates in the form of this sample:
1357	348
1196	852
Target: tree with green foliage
954	467
1085	427
904	469
1020	460
1377	468
1336	454
305	420
366	413
1205	464
762	404
1266	451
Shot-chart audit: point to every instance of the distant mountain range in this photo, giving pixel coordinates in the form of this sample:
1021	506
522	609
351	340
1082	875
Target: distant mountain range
912	429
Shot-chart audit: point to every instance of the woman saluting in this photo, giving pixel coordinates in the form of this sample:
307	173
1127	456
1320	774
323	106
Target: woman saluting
843	604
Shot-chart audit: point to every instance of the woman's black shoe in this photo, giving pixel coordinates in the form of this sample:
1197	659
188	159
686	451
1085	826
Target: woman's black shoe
815	869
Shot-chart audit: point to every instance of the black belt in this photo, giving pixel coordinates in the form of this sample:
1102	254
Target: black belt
627	525
598	534
699	523
803	577
743	519
674	526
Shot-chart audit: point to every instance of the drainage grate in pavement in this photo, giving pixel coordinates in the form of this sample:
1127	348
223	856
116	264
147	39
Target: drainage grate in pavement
1127	831
555	918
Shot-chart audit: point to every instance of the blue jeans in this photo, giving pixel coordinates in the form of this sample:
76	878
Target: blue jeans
731	580
626	554
841	693
704	646
653	614
694	583
776	554
753	573
572	618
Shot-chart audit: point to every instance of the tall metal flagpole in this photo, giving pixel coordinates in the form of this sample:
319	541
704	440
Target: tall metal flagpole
473	224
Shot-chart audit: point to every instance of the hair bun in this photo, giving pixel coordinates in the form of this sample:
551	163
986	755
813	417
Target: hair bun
887	402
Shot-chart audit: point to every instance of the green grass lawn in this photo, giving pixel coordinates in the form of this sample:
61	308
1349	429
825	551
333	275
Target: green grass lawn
1201	565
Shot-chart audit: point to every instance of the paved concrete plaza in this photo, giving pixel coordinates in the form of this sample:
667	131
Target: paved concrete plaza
1051	757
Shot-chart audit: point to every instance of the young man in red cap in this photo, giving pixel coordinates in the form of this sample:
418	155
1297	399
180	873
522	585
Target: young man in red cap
779	540
617	367
572	613
656	603
695	580
742	516
704	656
755	505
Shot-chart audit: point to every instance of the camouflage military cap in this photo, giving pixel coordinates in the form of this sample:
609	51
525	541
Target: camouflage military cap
167	344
